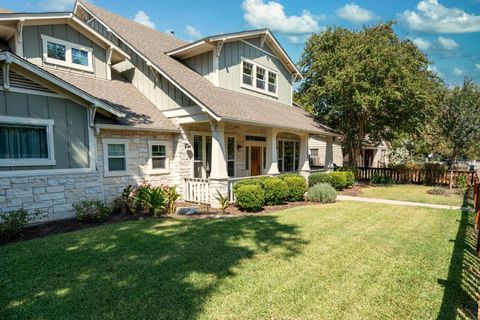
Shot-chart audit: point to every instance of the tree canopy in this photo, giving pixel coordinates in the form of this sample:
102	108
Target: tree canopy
367	84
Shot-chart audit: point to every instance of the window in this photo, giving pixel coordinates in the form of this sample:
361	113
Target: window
231	156
288	155
115	157
266	81
247	73
247	158
260	78
264	158
26	141
272	82
255	138
314	152
55	51
158	156
67	54
197	156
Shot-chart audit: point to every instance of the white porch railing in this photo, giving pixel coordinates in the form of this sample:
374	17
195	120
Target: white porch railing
196	190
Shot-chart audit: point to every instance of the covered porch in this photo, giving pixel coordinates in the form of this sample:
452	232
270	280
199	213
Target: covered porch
223	153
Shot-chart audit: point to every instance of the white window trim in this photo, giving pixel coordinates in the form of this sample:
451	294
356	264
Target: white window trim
294	152
68	54
168	148
261	145
253	87
106	142
234	153
48	124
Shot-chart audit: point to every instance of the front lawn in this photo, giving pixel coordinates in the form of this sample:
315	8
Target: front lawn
411	192
341	261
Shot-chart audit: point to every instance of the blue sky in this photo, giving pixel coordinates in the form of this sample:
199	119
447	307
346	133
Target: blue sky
447	31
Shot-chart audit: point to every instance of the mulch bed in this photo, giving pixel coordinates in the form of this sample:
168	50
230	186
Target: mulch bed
69	225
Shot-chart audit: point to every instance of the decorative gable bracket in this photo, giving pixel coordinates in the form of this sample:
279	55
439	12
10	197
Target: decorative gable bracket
6	73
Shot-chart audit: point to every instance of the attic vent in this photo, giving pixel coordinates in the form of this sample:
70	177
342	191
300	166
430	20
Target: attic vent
19	81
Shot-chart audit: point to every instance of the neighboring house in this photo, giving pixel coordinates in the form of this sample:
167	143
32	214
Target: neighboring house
91	102
372	155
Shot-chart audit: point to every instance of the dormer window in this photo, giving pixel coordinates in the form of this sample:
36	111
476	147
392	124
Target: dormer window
67	54
259	78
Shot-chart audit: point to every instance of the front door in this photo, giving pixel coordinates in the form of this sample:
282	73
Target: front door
255	161
368	158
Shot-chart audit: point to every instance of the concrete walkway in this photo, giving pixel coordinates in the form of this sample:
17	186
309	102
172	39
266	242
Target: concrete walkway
401	203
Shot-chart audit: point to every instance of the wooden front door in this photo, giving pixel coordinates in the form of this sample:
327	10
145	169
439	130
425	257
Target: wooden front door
255	161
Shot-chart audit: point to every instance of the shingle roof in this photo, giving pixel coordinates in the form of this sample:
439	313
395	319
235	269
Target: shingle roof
226	104
122	95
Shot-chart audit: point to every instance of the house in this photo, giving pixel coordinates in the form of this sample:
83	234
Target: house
91	102
371	155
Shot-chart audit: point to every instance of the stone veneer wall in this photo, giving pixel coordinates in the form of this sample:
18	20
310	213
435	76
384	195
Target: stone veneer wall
138	156
53	195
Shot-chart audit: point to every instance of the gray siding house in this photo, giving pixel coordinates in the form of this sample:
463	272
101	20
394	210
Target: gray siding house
91	102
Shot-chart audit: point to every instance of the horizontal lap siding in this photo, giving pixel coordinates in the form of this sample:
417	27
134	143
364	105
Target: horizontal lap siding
70	129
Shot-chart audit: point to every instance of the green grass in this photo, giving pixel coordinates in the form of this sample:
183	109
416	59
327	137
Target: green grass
411	192
340	261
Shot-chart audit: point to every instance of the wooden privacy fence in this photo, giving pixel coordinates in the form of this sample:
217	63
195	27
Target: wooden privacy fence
476	204
415	175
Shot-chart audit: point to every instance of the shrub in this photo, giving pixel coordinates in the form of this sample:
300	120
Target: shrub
322	192
297	186
250	197
12	223
124	203
276	191
349	176
351	169
246	182
149	198
91	210
461	181
380	179
339	180
319	177
171	197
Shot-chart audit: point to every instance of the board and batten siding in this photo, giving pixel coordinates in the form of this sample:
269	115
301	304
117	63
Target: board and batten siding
316	142
202	64
33	47
70	130
230	68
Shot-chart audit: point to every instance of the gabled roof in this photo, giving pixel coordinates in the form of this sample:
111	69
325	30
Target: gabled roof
219	103
139	112
206	44
8	57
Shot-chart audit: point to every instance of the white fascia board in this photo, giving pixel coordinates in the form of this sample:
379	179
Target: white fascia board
7	56
159	70
126	127
35	16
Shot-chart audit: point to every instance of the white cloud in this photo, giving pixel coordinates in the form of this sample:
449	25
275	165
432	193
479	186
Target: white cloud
272	15
354	13
422	44
458	71
298	39
57	5
477	66
432	16
447	44
142	18
192	32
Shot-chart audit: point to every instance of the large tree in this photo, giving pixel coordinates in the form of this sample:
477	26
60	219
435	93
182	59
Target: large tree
366	84
458	122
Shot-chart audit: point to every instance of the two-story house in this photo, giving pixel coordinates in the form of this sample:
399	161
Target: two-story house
91	102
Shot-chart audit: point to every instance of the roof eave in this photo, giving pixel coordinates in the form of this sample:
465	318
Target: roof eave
137	128
10	57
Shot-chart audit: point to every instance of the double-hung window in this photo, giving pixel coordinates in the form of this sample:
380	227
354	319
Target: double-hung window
68	54
158	156
259	78
26	141
115	156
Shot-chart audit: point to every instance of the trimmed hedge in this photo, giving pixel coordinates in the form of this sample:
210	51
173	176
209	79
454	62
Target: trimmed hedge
250	197
297	186
247	182
319	177
276	191
339	180
322	192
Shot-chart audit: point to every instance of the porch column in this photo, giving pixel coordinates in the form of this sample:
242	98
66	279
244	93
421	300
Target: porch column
218	173
219	162
304	160
329	153
272	160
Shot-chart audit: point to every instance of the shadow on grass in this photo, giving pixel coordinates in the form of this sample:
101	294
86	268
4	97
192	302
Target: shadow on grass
134	270
462	287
